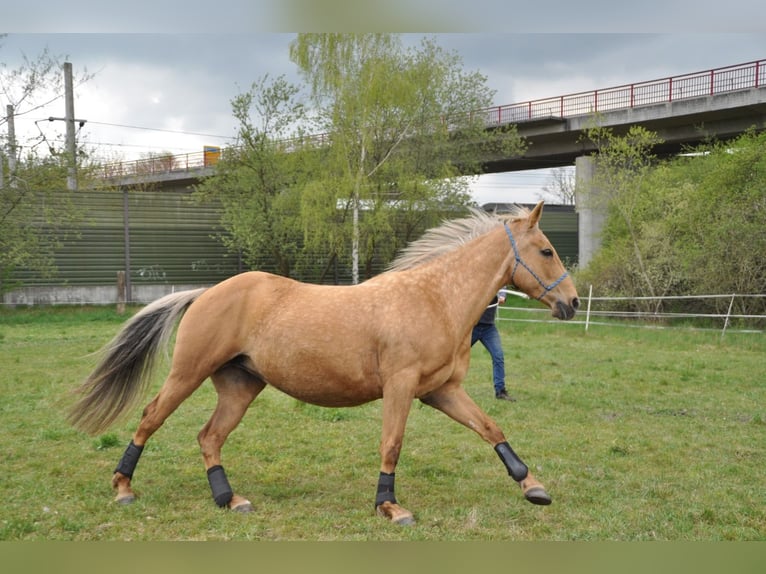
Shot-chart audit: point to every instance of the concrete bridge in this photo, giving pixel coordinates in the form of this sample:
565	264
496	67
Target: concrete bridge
683	110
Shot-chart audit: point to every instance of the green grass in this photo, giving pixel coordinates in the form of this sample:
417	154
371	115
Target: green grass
637	434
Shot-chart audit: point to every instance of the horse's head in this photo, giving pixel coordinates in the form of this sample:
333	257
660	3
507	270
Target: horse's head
537	269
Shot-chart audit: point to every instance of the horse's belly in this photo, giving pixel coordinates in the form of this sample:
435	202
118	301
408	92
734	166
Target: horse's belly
329	375
328	393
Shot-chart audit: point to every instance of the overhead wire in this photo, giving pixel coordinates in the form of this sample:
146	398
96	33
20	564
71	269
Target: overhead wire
182	132
41	138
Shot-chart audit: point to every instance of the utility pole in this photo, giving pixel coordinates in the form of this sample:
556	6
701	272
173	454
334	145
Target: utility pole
2	166
71	147
70	121
11	146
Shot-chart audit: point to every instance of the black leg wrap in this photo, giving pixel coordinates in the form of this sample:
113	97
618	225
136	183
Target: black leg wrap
129	460
517	469
219	484
385	489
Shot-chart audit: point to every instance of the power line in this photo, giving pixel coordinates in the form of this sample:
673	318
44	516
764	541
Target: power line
160	130
181	132
124	145
142	146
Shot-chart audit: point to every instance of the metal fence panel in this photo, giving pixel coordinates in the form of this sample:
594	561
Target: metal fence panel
171	240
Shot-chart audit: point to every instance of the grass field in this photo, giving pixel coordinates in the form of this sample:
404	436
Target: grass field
637	434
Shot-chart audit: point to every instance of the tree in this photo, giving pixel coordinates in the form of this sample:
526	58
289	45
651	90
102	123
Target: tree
634	252
721	222
400	136
257	181
692	224
561	186
155	162
34	215
35	83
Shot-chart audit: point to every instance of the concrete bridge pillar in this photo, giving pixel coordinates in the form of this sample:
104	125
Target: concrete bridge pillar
591	209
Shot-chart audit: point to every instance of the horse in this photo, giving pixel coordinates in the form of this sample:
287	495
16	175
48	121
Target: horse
401	335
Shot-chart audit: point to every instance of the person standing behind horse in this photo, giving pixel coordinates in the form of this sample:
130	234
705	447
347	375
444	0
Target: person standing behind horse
486	332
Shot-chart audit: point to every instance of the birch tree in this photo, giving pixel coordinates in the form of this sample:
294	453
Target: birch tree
400	137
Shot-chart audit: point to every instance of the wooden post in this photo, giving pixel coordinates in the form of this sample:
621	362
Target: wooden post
728	314
121	292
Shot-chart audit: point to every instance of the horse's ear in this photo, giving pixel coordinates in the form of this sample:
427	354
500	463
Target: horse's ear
534	217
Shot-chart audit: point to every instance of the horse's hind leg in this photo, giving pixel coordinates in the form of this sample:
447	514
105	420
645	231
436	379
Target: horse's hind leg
174	391
455	403
236	389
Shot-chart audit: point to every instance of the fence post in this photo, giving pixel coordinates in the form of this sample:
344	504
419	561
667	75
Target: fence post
126	243
120	292
728	314
587	312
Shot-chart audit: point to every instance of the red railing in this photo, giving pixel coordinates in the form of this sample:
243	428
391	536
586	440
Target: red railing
699	84
156	165
707	83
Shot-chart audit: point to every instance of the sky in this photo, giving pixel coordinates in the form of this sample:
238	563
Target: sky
157	91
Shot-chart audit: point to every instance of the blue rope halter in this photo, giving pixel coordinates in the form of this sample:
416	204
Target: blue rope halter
519	261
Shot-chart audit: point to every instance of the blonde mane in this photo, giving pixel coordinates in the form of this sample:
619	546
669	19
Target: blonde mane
452	234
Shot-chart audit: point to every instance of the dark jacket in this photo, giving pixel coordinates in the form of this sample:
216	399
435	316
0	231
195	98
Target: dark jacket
488	317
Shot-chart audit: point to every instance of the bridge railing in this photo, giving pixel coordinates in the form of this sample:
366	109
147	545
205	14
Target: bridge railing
695	85
156	165
699	84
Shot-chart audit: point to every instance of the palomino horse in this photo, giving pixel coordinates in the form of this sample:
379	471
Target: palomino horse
400	336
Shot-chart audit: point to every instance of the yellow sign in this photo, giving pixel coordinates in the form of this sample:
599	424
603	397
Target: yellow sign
212	155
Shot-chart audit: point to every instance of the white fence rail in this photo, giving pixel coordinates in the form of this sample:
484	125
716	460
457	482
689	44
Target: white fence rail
645	319
616	318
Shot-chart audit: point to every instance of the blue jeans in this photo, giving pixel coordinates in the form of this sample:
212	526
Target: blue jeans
490	338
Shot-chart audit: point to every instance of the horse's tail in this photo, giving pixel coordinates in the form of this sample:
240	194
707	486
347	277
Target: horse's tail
122	376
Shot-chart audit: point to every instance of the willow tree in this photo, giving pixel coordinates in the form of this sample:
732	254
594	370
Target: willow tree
401	134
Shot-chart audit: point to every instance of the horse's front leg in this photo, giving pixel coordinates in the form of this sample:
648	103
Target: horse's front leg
396	408
455	403
532	488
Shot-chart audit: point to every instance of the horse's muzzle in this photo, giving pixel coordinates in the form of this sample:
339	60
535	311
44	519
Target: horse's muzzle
566	311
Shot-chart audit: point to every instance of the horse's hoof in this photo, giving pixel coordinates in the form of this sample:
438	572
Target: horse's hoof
125	500
537	495
244	508
395	514
408	520
240	504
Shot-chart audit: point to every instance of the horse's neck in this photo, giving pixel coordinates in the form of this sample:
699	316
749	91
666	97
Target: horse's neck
470	276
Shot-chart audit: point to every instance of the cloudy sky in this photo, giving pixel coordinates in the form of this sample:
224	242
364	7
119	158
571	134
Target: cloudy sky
154	91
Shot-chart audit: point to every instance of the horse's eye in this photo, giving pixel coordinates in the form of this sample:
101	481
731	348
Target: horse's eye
546	252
